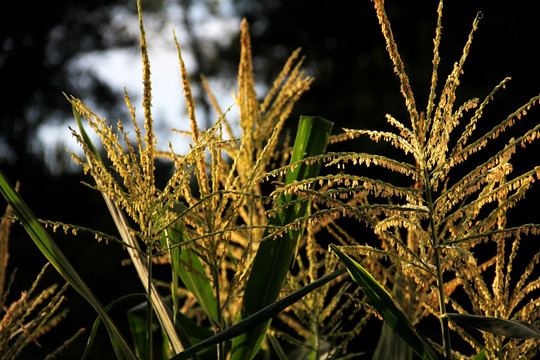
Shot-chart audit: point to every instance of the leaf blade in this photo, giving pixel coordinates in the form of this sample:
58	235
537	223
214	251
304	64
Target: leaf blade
55	256
259	317
187	265
274	257
382	301
510	328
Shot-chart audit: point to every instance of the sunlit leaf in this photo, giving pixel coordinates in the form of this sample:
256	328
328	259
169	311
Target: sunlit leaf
187	265
274	256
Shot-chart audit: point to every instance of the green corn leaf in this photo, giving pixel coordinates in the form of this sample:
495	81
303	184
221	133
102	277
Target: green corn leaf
260	317
137	321
136	317
192	331
274	256
84	135
167	241
187	266
55	256
510	328
196	333
391	346
481	356
382	301
193	275
97	322
280	353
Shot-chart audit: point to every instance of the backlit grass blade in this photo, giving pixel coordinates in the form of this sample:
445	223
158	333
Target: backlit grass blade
187	265
481	356
390	345
51	251
274	256
193	276
260	317
383	303
504	327
174	255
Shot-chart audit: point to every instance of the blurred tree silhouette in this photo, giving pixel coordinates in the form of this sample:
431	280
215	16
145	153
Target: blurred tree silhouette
39	41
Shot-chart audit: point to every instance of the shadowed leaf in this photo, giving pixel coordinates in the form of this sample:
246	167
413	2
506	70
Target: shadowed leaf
511	328
382	301
260	317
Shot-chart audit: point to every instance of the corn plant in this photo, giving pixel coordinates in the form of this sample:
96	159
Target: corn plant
432	232
209	219
242	221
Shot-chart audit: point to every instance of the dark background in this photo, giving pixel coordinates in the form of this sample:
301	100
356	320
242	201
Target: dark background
354	87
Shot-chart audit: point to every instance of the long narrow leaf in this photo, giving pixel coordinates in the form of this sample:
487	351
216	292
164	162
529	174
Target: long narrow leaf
137	326
187	265
504	327
481	356
196	333
193	277
97	322
274	256
55	256
391	346
259	317
137	320
382	301
174	255
280	353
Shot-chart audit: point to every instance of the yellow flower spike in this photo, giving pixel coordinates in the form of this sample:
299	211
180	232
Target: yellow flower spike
247	97
399	68
187	92
202	176
148	150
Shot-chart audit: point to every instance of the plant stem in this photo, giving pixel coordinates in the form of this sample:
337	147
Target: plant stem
442	306
437	254
219	325
314	341
149	308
